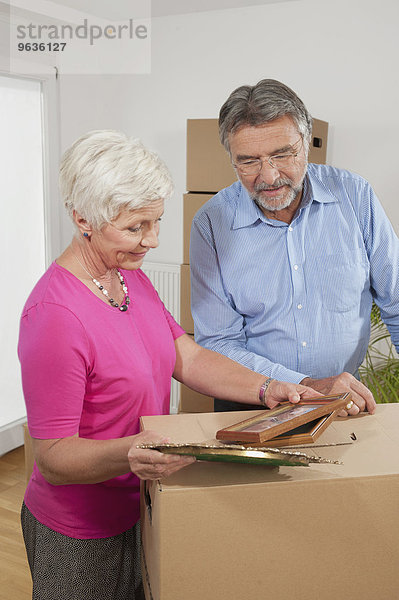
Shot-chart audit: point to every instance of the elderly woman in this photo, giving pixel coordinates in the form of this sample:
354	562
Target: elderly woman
97	350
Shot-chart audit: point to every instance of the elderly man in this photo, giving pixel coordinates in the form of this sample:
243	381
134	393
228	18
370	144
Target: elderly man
285	263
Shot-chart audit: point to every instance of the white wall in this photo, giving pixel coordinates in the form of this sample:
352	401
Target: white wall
340	56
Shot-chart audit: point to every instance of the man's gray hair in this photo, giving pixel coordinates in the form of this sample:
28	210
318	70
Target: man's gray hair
104	172
261	103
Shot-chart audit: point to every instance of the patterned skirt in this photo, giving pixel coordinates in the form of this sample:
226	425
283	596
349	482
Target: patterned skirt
73	569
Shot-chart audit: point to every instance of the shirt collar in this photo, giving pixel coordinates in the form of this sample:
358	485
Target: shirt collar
247	212
316	190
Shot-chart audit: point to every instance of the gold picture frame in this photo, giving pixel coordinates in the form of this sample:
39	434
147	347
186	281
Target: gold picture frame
272	457
318	412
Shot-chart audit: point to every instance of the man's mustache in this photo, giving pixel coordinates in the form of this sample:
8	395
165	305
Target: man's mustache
280	182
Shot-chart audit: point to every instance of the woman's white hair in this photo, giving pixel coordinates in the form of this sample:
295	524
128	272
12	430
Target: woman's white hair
104	172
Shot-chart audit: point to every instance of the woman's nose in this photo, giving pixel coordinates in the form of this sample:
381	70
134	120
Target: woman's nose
150	237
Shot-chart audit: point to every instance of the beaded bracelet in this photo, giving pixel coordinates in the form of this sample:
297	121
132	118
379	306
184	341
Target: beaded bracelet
262	391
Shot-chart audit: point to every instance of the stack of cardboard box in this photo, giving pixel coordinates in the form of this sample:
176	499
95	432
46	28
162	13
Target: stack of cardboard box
208	171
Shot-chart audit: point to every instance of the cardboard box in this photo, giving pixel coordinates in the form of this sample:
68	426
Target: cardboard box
230	531
186	320
194	402
29	460
318	143
191	204
208	164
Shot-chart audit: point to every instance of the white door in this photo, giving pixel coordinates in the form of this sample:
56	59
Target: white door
22	231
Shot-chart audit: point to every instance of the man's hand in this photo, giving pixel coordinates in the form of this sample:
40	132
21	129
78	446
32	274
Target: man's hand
345	382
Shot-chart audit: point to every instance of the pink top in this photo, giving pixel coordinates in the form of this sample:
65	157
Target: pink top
91	369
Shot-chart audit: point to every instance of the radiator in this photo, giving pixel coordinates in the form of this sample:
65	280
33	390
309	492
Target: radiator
166	280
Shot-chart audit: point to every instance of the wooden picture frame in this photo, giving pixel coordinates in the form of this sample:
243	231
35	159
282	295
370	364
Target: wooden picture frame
307	433
265	427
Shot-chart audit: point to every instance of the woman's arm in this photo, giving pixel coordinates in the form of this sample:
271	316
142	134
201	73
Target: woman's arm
74	460
216	375
55	355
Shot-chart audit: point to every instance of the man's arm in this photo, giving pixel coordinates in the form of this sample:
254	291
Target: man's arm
382	246
218	325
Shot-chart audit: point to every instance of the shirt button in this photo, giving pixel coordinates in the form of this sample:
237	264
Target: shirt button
290	228
304	344
296	267
299	306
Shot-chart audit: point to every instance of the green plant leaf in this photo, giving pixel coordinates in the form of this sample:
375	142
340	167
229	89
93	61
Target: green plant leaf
380	369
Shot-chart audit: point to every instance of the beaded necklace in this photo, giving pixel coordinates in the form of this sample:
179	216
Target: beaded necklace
124	306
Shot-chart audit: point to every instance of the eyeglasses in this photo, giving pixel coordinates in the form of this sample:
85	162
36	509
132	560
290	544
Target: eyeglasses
276	161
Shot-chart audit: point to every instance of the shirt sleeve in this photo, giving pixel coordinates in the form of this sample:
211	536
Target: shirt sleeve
382	246
55	359
175	328
217	325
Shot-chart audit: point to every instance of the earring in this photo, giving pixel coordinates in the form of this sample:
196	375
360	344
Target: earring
85	234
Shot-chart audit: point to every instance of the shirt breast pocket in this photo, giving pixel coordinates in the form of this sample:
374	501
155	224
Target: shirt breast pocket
342	281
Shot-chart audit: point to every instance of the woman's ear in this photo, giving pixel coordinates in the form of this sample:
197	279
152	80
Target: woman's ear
83	226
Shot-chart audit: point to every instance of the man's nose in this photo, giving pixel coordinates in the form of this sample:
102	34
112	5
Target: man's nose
268	174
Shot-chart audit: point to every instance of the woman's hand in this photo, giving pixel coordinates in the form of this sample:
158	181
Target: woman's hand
151	464
280	391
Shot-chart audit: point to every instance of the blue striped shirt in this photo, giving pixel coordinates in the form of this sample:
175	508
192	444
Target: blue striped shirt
294	301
